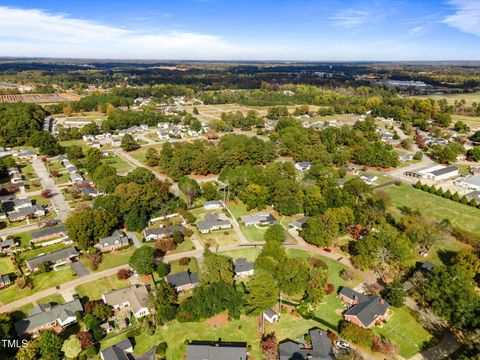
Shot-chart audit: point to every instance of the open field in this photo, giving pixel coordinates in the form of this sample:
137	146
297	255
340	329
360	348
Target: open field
434	207
38	98
451	98
403	328
472	121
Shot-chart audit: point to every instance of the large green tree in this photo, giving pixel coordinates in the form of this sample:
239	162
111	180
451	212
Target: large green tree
262	292
142	260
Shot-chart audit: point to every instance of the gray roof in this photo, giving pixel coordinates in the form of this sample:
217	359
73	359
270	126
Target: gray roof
22	201
472	180
213	202
5	279
299	223
6	243
444	170
44	315
117	237
136	295
321	348
182	278
53	257
210	350
350	293
474	195
241	265
270	313
368	308
165	231
117	351
49	231
211	221
258	218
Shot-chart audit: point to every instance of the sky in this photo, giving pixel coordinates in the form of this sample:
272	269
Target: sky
306	30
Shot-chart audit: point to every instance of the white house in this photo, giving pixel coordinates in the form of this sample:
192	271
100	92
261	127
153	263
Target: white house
369	179
471	182
213	205
303	166
271	316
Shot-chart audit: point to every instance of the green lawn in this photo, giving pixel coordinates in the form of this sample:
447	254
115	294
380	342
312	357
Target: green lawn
40	250
112	259
120	164
52	299
192	266
403	328
40	282
434	207
175	334
252	233
94	289
249	253
290	327
6	266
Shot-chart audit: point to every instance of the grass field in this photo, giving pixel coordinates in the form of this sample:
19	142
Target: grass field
94	289
434	207
40	282
121	165
175	334
112	259
52	299
451	98
403	328
6	265
472	121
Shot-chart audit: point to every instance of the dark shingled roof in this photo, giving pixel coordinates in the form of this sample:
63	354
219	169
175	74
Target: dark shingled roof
242	265
321	348
182	278
49	231
52	257
444	170
117	351
210	350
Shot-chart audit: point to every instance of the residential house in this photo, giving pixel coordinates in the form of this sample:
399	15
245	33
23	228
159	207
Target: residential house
49	317
183	281
116	142
87	191
353	171
22	208
4	281
117	240
320	348
369	179
88	138
260	218
123	350
134	298
7	245
243	268
25	154
76	177
95	144
405	157
442	174
213	350
71	168
213	205
303	166
365	311
49	233
213	222
270	316
298	224
162	233
162	135
56	258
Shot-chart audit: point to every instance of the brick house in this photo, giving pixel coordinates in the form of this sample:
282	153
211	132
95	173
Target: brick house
364	311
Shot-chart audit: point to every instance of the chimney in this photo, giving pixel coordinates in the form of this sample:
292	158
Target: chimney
382	301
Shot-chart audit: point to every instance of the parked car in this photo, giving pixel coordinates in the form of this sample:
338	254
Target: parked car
342	345
327	249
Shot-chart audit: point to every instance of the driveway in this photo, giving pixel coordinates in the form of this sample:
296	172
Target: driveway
57	198
79	269
133	236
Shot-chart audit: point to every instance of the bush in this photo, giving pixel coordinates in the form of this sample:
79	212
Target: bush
455	197
163	269
161	348
91	351
356	334
124	274
418	185
466	236
184	261
330	289
464	200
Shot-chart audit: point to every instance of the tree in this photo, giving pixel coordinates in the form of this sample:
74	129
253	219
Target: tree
395	294
124	274
128	143
165	303
255	196
163	269
276	233
142	260
86	339
291	275
262	293
322	229
29	352
209	191
152	157
86	227
269	346
72	347
217	268
50	344
190	188
137	218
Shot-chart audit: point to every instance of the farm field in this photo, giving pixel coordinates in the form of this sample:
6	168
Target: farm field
451	98
38	98
434	207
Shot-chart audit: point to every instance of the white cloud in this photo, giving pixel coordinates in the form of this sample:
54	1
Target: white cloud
32	32
351	18
466	17
417	31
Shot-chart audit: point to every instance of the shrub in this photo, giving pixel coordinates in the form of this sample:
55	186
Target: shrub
163	269
464	200
418	185
124	274
330	289
356	334
455	197
184	261
161	348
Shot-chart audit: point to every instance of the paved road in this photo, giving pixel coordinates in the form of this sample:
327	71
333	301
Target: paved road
19	229
58	200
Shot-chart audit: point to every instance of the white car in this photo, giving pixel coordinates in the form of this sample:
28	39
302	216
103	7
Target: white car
342	345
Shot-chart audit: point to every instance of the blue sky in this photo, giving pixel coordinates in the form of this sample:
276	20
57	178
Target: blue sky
330	30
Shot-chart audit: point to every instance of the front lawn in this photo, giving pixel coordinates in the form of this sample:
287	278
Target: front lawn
250	253
52	299
120	164
403	328
94	289
112	259
6	265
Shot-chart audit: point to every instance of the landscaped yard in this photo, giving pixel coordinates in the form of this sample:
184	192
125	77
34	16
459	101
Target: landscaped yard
94	289
112	259
120	164
192	266
403	328
52	299
290	327
252	233
175	334
434	207
40	282
249	253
